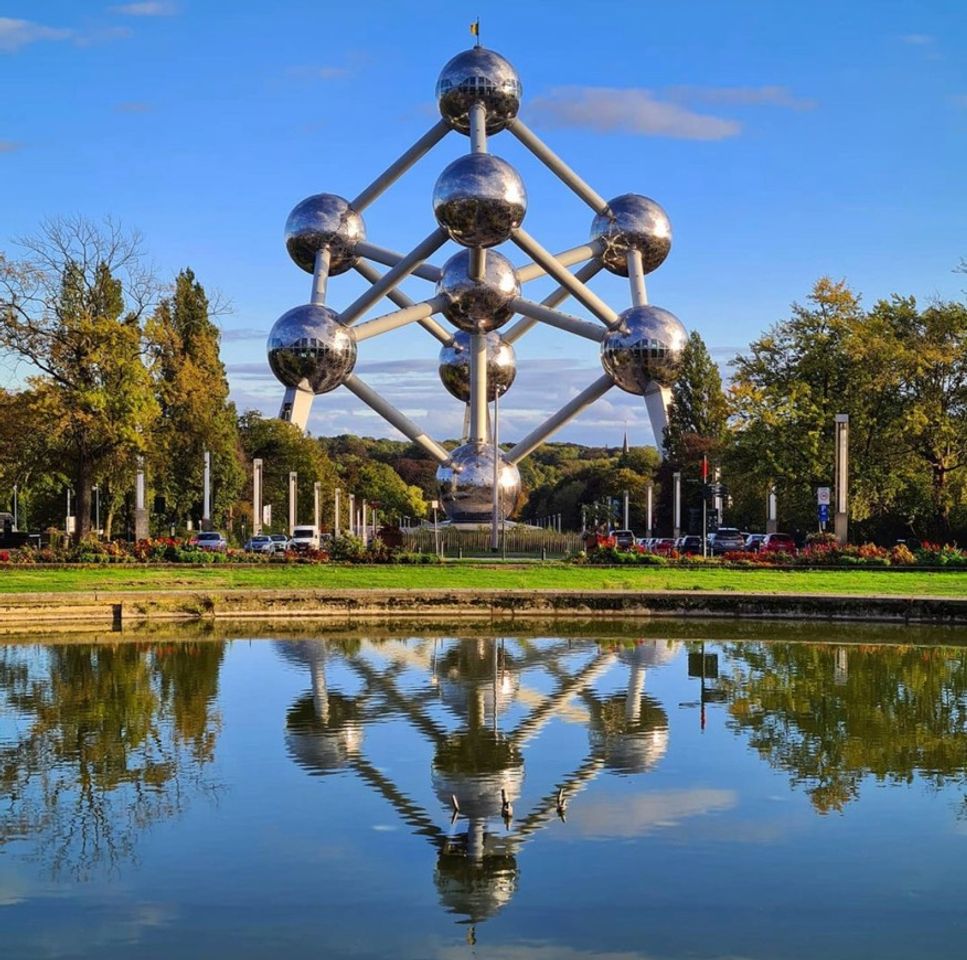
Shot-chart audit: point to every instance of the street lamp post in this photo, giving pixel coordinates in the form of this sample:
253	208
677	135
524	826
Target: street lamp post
436	530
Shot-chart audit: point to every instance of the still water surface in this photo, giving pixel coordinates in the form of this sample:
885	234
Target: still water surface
708	791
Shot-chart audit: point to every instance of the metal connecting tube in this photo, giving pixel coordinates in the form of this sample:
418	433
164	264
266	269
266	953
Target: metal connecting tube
390	258
552	300
564	277
394	276
556	165
478	388
320	277
402	300
399	318
636	277
392	173
396	417
567	258
478	144
554	423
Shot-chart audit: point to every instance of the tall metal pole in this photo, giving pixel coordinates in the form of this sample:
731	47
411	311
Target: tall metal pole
67	519
841	493
436	530
16	516
677	504
335	512
317	505
365	527
495	520
626	526
293	494
772	510
650	532
97	509
256	496
352	514
140	514
206	513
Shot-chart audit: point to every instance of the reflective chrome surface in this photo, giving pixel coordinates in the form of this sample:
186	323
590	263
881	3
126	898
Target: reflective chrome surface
633	222
455	366
478	75
647	346
467	483
310	349
479	199
321	220
478	306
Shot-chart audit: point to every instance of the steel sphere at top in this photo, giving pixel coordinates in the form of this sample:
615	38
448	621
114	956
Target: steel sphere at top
455	366
478	75
478	306
466	484
633	222
645	348
309	349
479	200
324	220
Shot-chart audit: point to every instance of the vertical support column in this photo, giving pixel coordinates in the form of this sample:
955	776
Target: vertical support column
478	144
293	495
256	497
626	526
140	513
495	517
352	514
649	510
657	401
320	276
478	388
636	277
364	526
16	512
206	512
841	491
335	512
676	504
718	500
317	506
772	510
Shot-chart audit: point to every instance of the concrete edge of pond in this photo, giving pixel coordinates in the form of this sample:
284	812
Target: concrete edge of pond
117	607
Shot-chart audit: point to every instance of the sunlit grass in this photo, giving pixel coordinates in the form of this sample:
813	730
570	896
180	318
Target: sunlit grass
469	575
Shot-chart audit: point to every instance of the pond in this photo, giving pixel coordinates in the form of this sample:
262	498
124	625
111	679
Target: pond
614	791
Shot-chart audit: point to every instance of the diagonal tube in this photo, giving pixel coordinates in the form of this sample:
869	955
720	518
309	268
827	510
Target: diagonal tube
570	410
563	321
566	258
396	417
636	277
399	318
564	277
553	300
396	169
402	300
556	165
320	276
394	276
390	258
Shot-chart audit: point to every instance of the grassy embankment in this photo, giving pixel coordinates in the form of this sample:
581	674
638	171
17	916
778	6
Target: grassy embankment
457	575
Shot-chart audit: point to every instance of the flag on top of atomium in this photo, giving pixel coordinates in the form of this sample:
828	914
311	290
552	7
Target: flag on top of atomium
479	202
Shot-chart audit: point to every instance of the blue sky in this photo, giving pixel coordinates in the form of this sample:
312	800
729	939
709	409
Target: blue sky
785	140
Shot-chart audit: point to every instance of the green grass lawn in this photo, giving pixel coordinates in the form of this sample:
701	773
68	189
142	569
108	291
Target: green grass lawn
471	575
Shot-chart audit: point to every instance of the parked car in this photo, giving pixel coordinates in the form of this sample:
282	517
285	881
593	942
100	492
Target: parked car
690	545
625	539
281	542
663	545
778	543
725	540
304	538
754	541
262	543
209	540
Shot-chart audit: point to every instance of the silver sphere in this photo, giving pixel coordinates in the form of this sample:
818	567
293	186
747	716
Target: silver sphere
479	199
478	75
467	483
319	221
310	349
478	306
455	366
633	222
646	348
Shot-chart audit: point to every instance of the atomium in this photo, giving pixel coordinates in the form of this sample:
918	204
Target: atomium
479	202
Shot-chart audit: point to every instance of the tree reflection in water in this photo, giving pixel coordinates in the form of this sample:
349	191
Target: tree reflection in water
477	771
832	715
114	738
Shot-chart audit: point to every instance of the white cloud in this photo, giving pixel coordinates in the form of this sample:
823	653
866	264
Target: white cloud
15	34
636	111
149	8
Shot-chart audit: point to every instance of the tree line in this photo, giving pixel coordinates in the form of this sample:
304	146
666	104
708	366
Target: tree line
115	370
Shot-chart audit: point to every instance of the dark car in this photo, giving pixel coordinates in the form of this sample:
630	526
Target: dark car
726	540
691	545
778	543
754	541
624	539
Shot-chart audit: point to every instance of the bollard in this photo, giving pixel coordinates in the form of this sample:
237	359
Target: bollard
543	553
460	553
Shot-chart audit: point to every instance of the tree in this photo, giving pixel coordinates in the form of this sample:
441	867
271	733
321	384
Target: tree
283	449
196	415
72	309
380	484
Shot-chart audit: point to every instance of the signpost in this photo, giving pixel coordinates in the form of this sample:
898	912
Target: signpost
822	501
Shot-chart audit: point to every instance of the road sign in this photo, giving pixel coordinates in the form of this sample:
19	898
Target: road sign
822	496
824	513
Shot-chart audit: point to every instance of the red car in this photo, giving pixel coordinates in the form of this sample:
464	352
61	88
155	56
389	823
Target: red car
778	543
663	545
